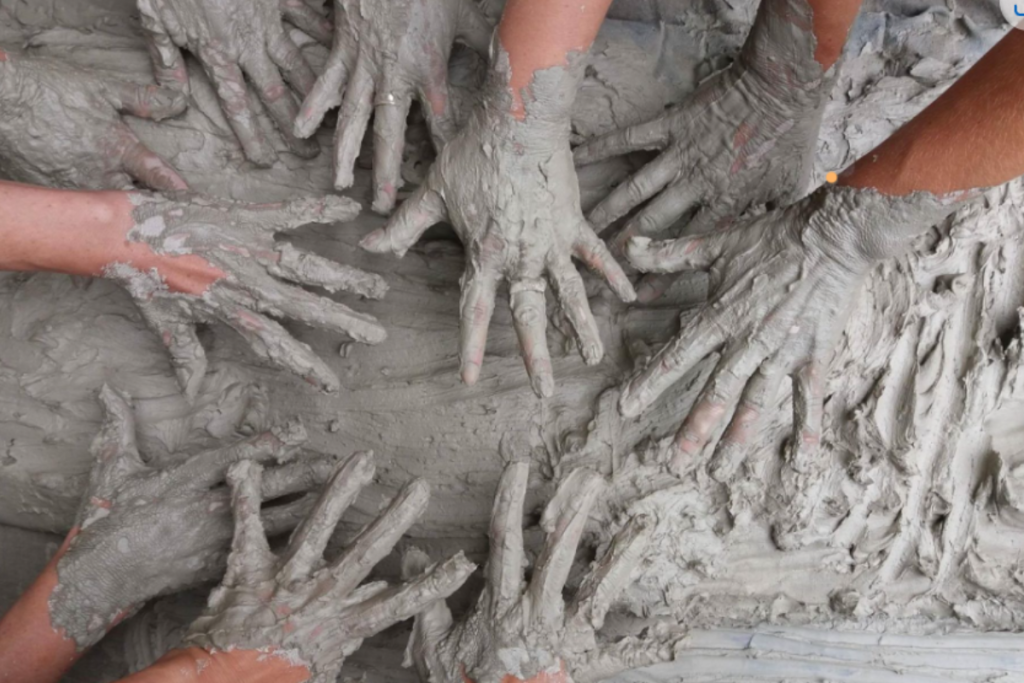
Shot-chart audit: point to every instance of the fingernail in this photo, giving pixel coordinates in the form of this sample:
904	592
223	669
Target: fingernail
544	386
470	373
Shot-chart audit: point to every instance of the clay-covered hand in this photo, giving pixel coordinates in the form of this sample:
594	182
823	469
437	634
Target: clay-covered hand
312	612
217	260
747	136
509	189
385	53
781	287
520	632
62	126
238	42
142	531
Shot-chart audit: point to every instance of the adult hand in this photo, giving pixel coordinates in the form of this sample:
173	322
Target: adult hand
205	259
142	532
509	189
312	612
62	126
237	41
385	53
781	288
527	633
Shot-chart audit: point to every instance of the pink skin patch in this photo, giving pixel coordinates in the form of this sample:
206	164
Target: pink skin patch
101	503
742	424
274	92
698	426
250	321
3	56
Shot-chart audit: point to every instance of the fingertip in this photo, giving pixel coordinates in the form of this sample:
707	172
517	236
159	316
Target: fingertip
377	242
470	373
629	404
592	352
543	385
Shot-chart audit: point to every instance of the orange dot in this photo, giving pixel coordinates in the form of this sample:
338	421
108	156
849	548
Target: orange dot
832	177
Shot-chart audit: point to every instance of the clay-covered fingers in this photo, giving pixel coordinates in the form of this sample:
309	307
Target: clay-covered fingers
591	250
808	398
424	209
306	547
406	600
642	136
302	16
145	101
326	93
178	334
142	164
312	269
572	295
379	538
659	214
285	517
158	21
353	118
294	69
564	520
699	252
611	574
307	472
530	320
250	561
637	189
114	447
479	290
293	214
389	121
505	561
277	98
207	469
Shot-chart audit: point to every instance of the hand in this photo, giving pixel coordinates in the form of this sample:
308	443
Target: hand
509	189
238	41
747	136
211	260
62	127
142	532
385	52
313	613
782	285
527	634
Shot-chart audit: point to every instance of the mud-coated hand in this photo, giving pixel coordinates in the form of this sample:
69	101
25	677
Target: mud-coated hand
313	611
239	42
385	53
62	127
142	531
229	247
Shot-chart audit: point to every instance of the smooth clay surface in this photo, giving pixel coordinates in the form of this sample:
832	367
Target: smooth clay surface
912	554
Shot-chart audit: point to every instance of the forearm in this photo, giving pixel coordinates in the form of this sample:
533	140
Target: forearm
970	137
195	665
832	21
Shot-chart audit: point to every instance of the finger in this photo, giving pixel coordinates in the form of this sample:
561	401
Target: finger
168	64
650	135
307	473
293	65
325	95
473	29
145	101
431	624
229	83
312	269
640	187
610	576
564	519
378	539
353	118
658	215
250	561
476	307
279	519
145	166
436	104
271	342
280	104
285	301
505	562
572	295
306	19
389	121
595	255
114	447
293	214
758	396
808	397
652	286
208	468
406	600
179	336
307	544
717	400
425	208
699	338
685	253
531	323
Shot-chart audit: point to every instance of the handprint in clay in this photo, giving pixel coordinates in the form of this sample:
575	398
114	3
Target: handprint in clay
521	633
142	531
297	605
782	285
205	260
62	127
385	53
746	137
240	43
509	188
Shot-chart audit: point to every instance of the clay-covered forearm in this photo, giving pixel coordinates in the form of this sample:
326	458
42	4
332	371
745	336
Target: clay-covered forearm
195	665
970	137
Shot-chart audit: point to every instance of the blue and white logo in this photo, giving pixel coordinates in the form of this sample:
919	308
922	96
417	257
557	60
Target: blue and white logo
1013	10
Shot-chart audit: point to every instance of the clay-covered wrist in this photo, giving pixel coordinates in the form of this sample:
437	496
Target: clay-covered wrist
545	103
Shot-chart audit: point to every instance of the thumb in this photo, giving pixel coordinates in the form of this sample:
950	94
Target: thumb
145	101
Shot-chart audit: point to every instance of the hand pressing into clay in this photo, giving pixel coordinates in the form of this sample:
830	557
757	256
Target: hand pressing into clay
747	136
510	191
385	53
142	531
526	633
196	259
62	126
781	288
239	43
311	612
